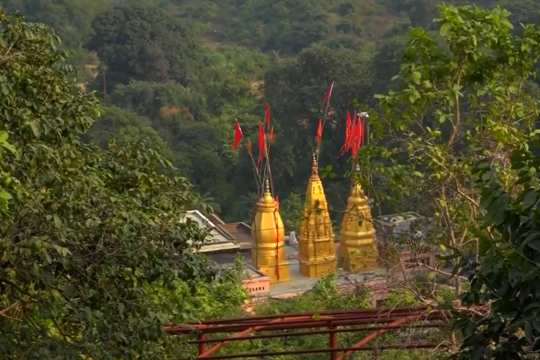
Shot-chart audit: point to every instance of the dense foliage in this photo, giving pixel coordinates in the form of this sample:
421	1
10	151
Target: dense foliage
464	95
95	254
507	274
467	96
135	43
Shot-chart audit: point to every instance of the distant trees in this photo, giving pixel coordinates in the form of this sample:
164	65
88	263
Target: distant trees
189	95
71	19
420	12
282	25
144	43
187	66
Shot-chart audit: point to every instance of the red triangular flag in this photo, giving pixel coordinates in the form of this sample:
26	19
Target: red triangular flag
261	143
319	131
267	118
237	137
328	94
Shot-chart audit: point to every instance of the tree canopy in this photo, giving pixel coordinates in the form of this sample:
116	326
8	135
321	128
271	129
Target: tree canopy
143	43
506	275
96	254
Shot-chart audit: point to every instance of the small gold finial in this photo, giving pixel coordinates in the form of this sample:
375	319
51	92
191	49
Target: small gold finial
314	165
267	186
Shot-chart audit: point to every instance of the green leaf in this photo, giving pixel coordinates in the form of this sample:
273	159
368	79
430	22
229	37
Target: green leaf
34	125
530	199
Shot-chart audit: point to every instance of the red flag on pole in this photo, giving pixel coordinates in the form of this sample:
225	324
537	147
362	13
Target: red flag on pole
328	94
267	118
361	135
356	137
355	134
261	143
319	131
237	137
358	133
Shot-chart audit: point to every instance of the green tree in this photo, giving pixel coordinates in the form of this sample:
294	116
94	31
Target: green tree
119	124
7	182
158	100
71	19
291	210
465	93
286	25
95	249
507	274
144	43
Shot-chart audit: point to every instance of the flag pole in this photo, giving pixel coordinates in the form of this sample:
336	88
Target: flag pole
256	171
324	114
365	117
268	168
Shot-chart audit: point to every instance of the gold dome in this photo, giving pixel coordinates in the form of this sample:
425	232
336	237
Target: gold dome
268	253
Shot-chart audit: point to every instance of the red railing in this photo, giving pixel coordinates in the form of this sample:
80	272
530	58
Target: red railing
374	322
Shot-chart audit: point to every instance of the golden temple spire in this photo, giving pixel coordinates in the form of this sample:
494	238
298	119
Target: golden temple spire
316	243
314	165
268	252
358	249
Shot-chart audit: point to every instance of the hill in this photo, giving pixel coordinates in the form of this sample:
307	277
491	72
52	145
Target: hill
183	71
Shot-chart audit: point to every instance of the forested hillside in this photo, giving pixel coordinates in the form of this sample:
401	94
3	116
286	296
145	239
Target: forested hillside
180	73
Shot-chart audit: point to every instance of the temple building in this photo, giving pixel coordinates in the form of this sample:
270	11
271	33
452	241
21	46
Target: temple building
316	246
358	249
268	252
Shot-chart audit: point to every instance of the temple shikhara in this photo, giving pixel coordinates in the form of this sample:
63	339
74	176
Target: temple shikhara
358	249
316	247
